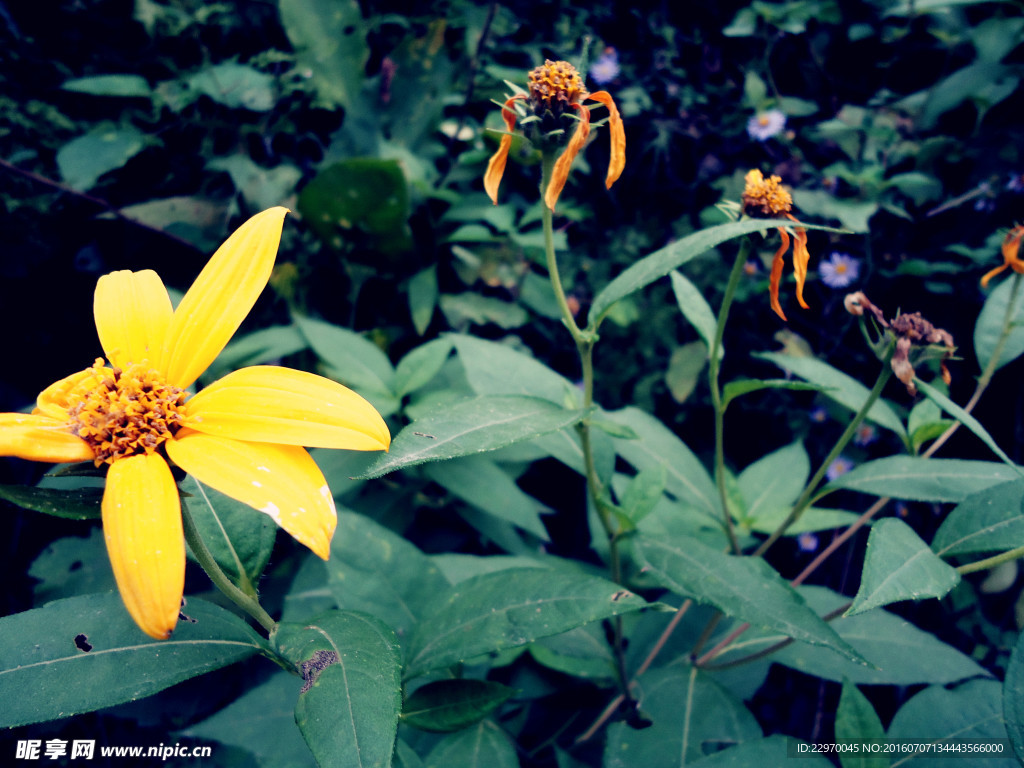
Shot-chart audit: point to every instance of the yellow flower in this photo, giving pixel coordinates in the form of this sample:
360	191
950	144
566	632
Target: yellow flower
767	197
554	88
1011	246
243	435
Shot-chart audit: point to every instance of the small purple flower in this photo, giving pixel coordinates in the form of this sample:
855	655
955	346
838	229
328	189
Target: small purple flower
866	434
839	270
807	541
819	415
765	125
606	68
839	466
1016	183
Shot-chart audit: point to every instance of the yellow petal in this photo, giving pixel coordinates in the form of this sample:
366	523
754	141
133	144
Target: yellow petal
132	310
142	526
221	297
281	480
618	137
40	438
270	404
53	401
560	173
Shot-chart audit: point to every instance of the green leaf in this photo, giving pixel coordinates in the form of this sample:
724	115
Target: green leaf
493	368
920	479
684	369
899	566
856	720
734	389
257	348
505	609
582	652
990	322
852	214
658	264
260	187
469	307
83	653
746	588
838	386
239	537
72	565
329	42
76	504
645	490
696	309
988	521
262	722
105	148
774	482
373	569
967	712
485	745
472	426
657	445
110	85
423	298
899	652
963	417
770	752
367	195
236	85
349	706
451	705
356	361
421	365
1013	698
480	482
194	219
687	710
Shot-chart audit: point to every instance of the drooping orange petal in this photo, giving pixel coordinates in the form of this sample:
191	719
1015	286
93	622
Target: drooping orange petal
496	165
271	404
560	172
53	401
776	274
281	480
221	297
132	311
40	438
801	258
617	134
142	526
992	273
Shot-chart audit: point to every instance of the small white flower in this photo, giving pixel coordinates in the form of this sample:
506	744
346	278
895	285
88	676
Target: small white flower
839	270
765	125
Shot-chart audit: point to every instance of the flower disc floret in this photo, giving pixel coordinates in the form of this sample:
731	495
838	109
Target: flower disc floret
765	197
555	85
122	413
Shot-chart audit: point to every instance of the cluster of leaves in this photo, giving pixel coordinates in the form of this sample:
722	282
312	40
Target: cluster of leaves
465	616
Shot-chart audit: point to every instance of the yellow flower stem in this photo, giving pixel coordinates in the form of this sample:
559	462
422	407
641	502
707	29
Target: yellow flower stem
807	497
585	348
714	366
208	563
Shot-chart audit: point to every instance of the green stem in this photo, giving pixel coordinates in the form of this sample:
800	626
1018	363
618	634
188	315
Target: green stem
220	579
714	367
807	496
585	349
992	562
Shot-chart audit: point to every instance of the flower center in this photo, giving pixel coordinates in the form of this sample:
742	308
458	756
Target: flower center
765	196
556	84
841	268
124	412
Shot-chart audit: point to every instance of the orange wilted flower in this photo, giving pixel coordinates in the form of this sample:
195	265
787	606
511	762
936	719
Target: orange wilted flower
767	197
554	88
1011	246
